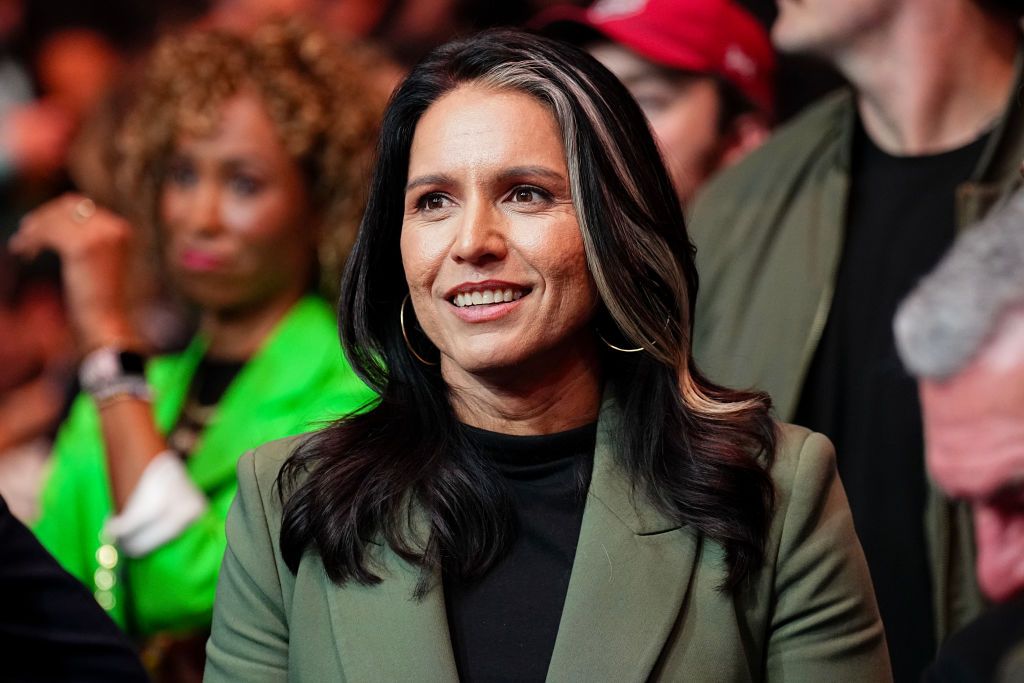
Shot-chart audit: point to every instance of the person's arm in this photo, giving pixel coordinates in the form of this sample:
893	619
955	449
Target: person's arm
95	247
825	623
151	490
73	504
249	638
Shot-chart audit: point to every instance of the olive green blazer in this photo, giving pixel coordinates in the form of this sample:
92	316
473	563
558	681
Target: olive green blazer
643	601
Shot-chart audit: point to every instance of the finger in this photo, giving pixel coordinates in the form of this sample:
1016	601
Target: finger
24	242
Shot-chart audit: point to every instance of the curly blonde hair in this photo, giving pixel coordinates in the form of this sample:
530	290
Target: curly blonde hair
325	98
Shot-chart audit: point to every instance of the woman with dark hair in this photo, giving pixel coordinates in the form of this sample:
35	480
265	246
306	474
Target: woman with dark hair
547	488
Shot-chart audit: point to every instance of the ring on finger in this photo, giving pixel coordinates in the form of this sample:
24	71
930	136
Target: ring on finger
83	210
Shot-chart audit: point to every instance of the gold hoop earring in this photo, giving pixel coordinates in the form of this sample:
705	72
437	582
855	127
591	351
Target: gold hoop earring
617	348
401	322
622	350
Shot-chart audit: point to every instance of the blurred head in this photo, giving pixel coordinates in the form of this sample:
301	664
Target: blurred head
248	157
961	332
830	28
701	70
76	68
520	163
826	28
34	331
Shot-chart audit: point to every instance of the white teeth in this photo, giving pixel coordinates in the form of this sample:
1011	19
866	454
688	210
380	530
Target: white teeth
495	296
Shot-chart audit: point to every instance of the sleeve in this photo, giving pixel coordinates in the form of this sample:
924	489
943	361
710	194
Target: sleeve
72	490
249	639
164	503
825	624
170	587
45	609
173	586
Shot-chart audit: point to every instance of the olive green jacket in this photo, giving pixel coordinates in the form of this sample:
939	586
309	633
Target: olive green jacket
769	235
642	604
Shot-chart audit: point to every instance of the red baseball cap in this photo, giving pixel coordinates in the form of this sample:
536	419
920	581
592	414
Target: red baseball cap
706	36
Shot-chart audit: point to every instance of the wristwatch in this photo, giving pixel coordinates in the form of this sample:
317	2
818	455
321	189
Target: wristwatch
109	370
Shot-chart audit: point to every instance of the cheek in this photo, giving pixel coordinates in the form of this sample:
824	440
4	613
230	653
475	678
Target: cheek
422	255
689	127
567	269
1000	540
277	225
171	206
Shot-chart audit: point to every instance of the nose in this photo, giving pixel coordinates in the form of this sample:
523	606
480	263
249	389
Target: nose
480	234
201	213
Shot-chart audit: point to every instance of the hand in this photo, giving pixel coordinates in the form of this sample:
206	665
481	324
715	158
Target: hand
95	247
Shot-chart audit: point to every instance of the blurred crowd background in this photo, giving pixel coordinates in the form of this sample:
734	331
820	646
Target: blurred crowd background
69	69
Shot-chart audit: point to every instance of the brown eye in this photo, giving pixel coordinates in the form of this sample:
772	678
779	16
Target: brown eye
433	202
523	194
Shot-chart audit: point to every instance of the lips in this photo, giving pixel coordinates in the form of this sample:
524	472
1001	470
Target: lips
485	301
196	259
485	293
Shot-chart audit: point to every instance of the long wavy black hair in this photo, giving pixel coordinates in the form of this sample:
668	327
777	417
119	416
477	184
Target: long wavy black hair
699	451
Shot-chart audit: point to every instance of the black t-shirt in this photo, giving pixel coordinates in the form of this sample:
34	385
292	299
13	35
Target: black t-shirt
210	382
503	626
900	222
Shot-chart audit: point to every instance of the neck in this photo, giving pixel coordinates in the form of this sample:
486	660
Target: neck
238	334
562	395
935	78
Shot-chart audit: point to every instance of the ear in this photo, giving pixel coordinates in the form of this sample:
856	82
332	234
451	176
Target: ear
746	133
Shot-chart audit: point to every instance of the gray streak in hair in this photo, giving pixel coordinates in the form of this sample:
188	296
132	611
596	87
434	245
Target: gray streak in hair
945	321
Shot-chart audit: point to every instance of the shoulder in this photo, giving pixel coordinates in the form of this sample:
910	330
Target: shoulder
800	453
257	509
262	465
781	159
808	492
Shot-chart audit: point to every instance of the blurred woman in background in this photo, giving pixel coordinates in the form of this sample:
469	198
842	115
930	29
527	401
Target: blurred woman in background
247	158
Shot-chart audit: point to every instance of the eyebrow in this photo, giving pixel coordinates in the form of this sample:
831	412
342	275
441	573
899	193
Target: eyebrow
504	175
431	179
520	171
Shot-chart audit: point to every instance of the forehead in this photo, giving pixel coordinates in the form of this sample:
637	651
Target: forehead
240	125
479	126
633	69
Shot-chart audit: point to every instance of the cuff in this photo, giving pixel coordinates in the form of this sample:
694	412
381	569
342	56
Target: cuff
163	504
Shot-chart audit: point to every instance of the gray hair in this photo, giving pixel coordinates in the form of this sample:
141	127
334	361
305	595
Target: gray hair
947	318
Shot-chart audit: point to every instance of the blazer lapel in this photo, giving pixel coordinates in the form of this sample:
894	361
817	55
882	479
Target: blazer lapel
629	581
382	633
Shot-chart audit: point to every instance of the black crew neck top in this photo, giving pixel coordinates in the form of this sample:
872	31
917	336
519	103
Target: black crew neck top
900	221
503	626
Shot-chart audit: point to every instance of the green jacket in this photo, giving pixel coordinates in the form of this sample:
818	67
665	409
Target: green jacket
298	378
642	604
769	235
